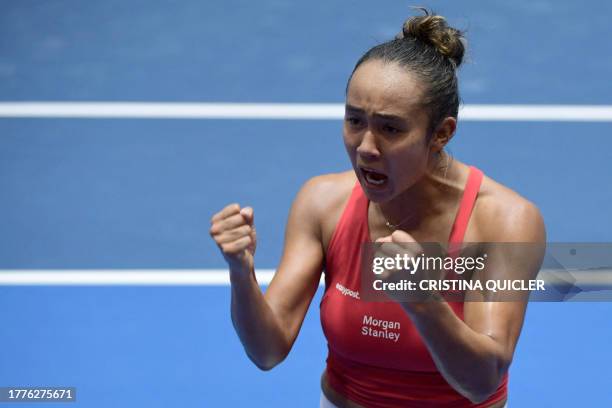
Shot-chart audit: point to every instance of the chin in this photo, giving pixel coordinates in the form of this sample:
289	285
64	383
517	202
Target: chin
377	194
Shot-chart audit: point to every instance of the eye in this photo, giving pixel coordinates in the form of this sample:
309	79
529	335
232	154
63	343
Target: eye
353	121
390	129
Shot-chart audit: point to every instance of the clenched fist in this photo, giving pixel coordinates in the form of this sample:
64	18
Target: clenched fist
408	265
233	230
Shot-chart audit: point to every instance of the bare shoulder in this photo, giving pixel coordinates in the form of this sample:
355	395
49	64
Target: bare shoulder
503	215
325	197
327	191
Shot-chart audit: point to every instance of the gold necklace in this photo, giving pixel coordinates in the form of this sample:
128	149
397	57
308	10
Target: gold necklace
394	226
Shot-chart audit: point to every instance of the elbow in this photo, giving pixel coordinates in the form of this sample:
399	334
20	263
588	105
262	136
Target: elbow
479	398
267	363
263	366
485	389
482	393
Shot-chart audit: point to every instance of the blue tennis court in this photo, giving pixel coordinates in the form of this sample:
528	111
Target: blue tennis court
122	194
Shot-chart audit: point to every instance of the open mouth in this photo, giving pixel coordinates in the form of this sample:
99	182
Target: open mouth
373	177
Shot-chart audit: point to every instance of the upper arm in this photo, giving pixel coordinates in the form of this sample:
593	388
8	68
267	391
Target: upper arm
297	276
502	320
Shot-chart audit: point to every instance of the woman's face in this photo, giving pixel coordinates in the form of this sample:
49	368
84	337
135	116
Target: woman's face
385	129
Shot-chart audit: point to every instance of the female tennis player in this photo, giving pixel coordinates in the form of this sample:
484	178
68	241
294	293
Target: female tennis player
401	111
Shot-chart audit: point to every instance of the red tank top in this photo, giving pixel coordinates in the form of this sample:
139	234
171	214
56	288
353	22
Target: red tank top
392	370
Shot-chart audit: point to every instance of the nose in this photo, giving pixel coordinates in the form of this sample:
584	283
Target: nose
367	149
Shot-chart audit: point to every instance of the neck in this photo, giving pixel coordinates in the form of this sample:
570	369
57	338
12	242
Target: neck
426	198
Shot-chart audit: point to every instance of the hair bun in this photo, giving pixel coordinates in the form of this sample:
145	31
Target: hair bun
433	29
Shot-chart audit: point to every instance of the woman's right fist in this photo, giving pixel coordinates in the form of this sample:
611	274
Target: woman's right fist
233	230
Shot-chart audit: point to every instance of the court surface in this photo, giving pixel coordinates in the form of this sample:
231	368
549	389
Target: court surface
122	194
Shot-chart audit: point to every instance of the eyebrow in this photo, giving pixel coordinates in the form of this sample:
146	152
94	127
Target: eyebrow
382	115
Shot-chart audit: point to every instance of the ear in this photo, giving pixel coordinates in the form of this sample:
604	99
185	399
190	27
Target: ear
443	134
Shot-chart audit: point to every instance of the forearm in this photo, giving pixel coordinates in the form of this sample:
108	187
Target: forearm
255	322
472	363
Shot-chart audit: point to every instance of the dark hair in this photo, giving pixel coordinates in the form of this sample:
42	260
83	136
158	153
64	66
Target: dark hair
433	51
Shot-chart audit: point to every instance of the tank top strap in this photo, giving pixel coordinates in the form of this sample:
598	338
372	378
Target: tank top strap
466	205
353	222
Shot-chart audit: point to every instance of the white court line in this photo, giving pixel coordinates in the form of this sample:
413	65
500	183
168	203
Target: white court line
101	277
194	277
292	111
